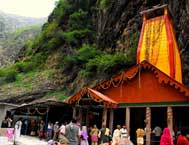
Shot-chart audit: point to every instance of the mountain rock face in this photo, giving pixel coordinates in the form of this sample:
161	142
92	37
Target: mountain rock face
14	33
116	25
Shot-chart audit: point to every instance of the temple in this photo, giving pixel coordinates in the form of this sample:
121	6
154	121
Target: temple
148	94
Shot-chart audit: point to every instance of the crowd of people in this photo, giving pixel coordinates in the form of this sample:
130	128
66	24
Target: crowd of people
166	137
74	134
67	133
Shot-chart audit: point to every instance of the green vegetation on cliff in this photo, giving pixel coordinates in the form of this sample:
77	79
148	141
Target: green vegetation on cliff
66	55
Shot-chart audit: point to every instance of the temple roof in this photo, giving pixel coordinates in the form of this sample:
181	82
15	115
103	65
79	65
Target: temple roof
130	73
97	93
95	96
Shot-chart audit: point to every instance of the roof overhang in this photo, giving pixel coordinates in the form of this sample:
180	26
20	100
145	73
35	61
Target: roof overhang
9	104
94	96
49	103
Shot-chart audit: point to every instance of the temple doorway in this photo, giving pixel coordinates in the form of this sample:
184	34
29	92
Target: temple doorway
137	116
119	117
180	120
158	117
94	117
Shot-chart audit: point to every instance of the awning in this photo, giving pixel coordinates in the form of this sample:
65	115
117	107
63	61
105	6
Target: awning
93	95
43	104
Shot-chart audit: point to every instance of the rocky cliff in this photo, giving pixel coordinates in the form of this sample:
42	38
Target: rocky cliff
122	19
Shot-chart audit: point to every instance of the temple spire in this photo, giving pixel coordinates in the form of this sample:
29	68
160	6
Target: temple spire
157	43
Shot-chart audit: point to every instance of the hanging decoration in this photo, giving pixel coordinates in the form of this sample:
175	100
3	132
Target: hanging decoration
34	111
119	80
95	96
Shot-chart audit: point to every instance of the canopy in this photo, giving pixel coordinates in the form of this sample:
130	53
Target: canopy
93	95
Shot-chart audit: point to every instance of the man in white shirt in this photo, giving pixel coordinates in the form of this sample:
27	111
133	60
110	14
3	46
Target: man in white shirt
124	132
116	135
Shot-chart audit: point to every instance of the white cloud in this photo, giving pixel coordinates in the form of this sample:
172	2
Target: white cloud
31	8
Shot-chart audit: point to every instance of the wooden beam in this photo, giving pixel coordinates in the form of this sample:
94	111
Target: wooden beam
153	9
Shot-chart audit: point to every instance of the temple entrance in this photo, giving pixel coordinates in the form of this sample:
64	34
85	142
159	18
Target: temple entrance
158	118
94	117
137	116
119	117
179	118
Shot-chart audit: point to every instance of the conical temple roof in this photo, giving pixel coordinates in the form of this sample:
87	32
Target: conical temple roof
157	43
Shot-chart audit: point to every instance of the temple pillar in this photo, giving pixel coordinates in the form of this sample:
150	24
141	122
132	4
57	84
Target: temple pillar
87	117
74	112
148	125
170	118
111	122
104	116
127	122
80	115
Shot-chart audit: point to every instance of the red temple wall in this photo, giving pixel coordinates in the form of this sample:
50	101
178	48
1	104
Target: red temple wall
148	90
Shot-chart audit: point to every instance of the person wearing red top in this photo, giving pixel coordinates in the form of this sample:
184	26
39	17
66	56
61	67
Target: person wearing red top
183	137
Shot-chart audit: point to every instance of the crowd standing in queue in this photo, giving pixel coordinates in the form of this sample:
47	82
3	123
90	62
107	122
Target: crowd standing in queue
73	133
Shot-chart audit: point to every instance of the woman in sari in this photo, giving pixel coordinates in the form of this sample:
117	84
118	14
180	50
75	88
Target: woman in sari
166	138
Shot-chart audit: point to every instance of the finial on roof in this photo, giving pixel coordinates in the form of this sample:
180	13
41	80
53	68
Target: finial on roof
154	8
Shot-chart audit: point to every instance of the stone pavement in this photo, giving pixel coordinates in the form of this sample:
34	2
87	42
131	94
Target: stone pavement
29	140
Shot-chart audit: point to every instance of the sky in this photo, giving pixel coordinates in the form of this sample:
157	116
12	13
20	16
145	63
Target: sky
29	8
